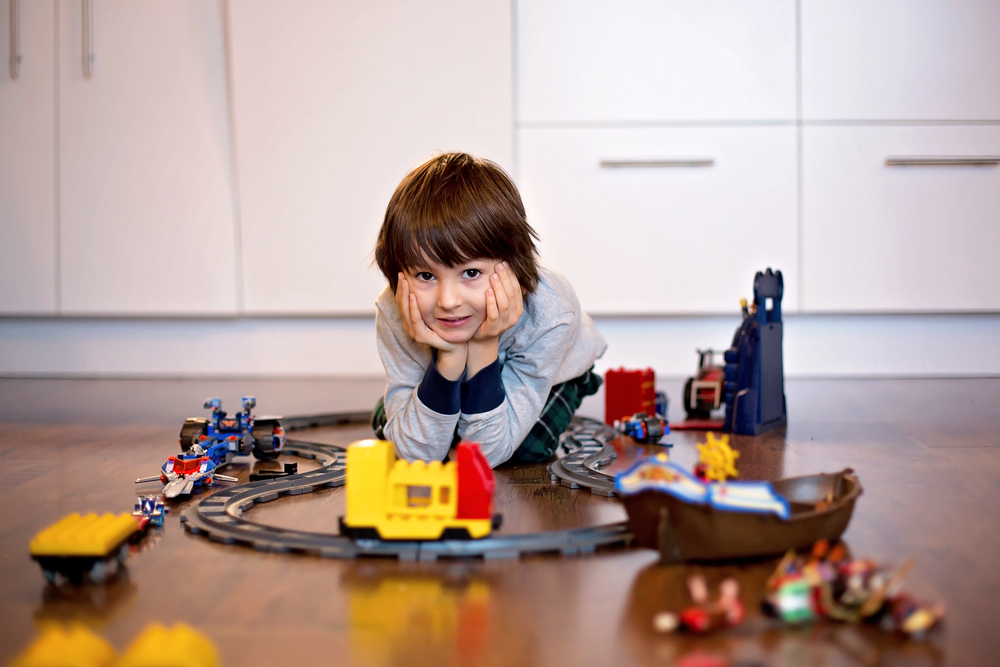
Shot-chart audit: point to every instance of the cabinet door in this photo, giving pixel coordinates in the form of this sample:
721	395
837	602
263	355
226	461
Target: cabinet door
900	238
901	59
146	195
27	163
651	60
333	104
672	238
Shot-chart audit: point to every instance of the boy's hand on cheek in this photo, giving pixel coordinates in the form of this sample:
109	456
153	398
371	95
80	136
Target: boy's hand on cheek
414	323
504	304
451	357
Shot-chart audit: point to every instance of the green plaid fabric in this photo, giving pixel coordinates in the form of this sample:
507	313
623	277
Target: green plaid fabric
541	442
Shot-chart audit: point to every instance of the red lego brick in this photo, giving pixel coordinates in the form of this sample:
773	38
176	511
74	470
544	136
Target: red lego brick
627	392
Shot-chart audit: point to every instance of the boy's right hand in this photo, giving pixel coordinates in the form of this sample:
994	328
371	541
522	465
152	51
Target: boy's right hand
414	323
451	357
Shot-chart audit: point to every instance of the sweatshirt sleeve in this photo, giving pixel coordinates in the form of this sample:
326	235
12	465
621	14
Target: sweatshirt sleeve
421	406
525	381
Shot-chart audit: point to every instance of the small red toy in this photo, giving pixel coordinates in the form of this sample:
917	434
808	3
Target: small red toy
706	391
705	616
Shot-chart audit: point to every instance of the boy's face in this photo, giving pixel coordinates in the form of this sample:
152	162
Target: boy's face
452	299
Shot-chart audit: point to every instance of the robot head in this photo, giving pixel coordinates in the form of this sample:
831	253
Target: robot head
249	402
213	404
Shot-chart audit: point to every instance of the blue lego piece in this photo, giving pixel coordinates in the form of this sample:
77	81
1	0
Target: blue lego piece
755	378
661	404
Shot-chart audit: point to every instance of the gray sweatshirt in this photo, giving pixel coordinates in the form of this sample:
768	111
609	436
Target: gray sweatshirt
554	341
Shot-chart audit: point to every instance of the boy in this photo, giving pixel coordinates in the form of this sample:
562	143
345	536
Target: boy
479	341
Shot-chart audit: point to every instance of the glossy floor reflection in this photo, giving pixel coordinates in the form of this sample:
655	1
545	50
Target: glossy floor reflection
926	451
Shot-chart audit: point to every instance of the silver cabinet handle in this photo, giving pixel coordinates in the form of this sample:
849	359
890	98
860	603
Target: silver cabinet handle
943	161
15	39
88	38
655	164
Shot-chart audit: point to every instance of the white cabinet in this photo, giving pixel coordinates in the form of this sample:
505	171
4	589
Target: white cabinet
649	60
901	59
884	238
670	238
146	197
27	163
333	104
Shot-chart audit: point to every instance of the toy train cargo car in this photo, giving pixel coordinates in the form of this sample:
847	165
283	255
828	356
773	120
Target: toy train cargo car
83	546
395	500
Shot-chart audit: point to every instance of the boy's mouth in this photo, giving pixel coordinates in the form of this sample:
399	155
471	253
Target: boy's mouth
454	322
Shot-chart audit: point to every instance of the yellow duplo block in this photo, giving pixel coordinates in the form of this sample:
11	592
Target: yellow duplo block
368	464
84	535
176	646
75	646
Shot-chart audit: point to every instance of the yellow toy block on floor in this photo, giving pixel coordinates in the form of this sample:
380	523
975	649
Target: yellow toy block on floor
75	646
84	535
177	646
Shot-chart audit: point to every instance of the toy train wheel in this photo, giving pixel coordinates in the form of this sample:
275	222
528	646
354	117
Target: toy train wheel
191	432
263	446
455	534
697	412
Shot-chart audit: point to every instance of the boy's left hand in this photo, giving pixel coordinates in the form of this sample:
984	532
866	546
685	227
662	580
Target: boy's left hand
504	304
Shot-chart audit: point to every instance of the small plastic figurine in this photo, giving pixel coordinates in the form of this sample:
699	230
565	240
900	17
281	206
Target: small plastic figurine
643	428
705	616
150	508
829	585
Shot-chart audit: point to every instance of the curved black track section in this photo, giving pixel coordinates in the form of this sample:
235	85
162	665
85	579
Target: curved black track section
221	518
586	448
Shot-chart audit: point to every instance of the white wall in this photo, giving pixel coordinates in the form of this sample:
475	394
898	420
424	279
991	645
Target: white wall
815	345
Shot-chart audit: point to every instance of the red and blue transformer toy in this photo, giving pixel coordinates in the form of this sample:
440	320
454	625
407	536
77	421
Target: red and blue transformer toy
207	444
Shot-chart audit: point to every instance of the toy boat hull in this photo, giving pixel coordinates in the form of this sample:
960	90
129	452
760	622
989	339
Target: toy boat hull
684	531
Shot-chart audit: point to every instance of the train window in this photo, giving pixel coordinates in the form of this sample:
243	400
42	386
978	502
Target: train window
445	495
418	496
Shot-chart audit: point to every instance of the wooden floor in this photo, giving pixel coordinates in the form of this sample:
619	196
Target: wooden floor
926	451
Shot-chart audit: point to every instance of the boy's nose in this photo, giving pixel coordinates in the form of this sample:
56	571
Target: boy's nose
448	296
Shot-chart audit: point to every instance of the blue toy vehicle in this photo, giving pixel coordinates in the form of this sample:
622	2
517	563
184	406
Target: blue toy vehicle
242	434
207	444
643	428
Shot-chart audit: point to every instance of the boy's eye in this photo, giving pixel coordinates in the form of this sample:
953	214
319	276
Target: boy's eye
472	273
424	275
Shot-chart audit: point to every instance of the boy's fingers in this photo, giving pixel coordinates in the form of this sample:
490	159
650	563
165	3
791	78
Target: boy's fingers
500	296
492	312
516	297
507	280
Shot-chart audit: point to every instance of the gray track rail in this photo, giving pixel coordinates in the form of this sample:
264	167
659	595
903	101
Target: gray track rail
587	451
220	517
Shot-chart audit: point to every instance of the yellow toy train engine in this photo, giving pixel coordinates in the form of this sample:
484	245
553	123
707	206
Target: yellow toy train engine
395	500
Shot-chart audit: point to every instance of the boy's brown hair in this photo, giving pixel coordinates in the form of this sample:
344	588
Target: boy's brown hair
454	208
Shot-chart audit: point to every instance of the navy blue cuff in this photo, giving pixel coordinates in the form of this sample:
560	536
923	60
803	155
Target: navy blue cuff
483	391
440	394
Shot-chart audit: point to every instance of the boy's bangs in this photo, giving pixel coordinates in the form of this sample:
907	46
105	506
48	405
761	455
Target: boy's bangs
448	245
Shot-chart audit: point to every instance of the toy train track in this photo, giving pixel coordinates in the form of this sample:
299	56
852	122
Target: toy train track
587	451
221	518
